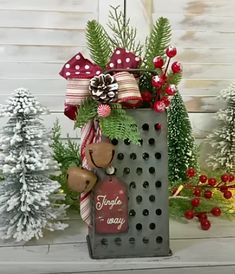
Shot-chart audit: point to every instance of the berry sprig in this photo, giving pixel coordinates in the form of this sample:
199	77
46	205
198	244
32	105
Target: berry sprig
162	83
204	190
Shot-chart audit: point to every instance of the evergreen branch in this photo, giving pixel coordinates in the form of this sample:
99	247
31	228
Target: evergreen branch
98	43
119	125
87	111
158	41
174	78
66	154
124	35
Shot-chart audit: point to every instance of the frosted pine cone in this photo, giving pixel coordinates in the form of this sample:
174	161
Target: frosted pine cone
104	88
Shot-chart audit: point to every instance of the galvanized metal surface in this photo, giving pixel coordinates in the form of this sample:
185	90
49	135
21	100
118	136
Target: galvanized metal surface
144	170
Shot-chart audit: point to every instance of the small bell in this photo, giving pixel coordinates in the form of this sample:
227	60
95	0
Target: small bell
80	179
99	155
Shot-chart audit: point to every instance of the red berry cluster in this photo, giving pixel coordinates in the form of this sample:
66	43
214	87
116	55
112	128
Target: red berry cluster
161	82
204	189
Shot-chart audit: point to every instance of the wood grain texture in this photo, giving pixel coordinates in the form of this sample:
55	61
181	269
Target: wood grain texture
209	7
66	252
51	5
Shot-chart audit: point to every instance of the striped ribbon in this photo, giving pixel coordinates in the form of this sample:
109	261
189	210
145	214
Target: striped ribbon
90	133
128	90
77	91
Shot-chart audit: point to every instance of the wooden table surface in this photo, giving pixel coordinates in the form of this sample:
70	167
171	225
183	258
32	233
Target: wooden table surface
194	251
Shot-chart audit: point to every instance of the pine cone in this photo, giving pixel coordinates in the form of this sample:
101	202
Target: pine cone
104	88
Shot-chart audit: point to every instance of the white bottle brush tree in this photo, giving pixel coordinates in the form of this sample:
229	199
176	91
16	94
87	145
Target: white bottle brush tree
29	200
222	139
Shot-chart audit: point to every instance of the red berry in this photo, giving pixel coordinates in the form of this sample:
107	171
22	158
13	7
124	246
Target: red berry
230	177
212	181
157	81
205	224
158	62
202	216
195	202
159	106
203	178
189	214
208	194
146	96
216	211
157	126
166	101
227	194
197	192
223	188
176	67
171	90
171	51
191	172
224	178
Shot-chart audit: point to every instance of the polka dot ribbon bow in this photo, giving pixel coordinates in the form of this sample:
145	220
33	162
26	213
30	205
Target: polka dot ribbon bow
78	72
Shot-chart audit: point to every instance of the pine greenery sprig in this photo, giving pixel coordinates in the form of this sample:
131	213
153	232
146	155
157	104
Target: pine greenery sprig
87	111
124	36
159	39
66	154
120	126
98	43
174	78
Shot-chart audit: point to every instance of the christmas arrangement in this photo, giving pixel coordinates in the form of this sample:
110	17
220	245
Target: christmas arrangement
29	200
124	74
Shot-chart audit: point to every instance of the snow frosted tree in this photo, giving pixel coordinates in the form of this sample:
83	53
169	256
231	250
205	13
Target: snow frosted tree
29	200
222	139
182	150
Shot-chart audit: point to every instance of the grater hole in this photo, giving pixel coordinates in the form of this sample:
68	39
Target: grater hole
132	240
104	241
152	226
145	240
126	170
151	198
141	142
120	156
158	155
151	141
132	212
145	184
138	226
159	240
145	127
139	170
145	156
127	142
118	241
114	142
139	199
151	170
158	212
133	156
132	185
158	184
145	212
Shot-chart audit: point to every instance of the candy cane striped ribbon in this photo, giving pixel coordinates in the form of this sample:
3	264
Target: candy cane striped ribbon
90	133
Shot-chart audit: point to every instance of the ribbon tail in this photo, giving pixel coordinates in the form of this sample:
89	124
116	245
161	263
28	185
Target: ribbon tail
90	133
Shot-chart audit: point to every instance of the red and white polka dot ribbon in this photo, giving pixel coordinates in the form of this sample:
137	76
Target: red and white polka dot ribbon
78	71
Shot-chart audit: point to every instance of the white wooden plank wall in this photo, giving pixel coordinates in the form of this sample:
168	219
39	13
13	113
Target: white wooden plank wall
37	37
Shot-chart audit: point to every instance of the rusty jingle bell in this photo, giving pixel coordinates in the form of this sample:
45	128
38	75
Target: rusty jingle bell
80	179
99	155
111	206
